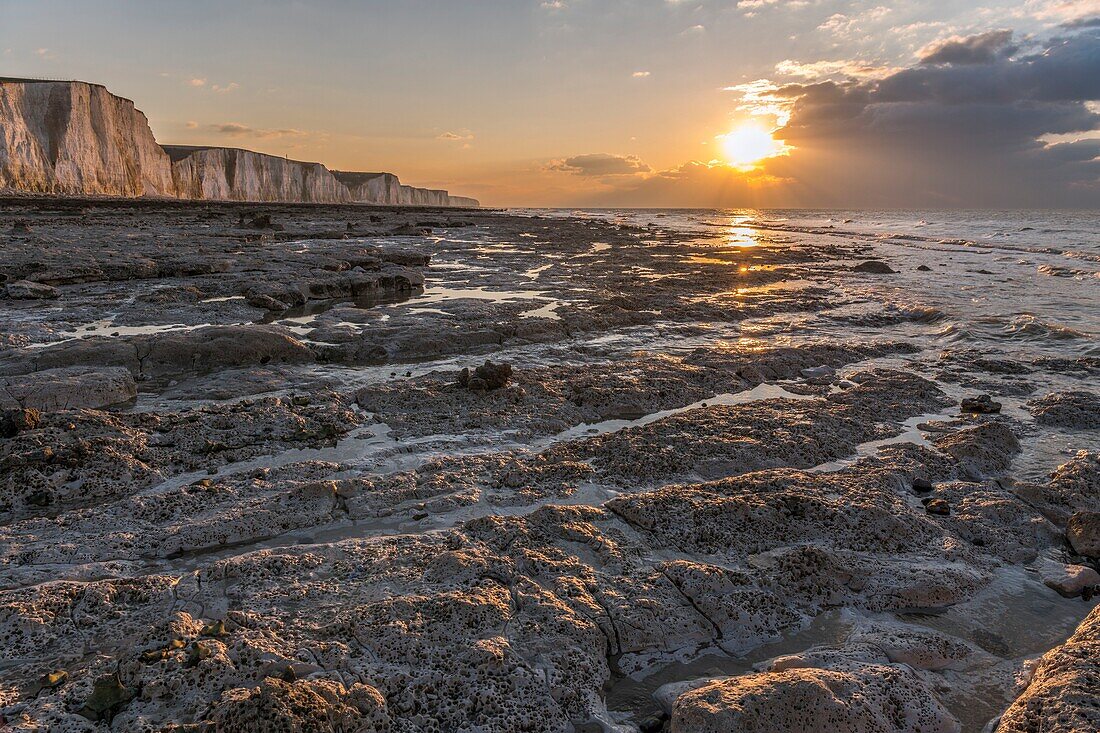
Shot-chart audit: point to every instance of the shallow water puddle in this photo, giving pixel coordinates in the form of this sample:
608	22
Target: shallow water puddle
911	433
634	693
760	392
546	311
107	327
304	314
436	293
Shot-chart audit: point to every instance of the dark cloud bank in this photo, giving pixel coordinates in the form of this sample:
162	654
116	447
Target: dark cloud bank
962	127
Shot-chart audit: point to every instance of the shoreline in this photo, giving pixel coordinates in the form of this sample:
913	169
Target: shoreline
255	487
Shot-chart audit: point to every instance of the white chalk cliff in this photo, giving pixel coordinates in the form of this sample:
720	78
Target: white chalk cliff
78	139
385	188
241	175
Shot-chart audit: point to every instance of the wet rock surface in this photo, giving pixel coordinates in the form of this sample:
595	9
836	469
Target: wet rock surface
860	698
250	479
68	388
1068	409
1061	694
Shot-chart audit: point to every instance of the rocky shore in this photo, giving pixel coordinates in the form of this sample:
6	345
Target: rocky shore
331	468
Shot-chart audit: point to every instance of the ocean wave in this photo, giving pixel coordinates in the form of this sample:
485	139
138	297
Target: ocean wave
955	331
1030	327
1060	271
1020	328
915	313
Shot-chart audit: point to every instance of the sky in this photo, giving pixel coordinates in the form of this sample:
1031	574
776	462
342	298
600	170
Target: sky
663	103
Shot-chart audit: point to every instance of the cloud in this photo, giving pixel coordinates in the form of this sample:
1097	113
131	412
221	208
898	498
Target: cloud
695	184
236	129
966	126
45	53
199	82
640	74
601	164
984	48
1062	10
822	69
191	125
1083	23
973	122
463	135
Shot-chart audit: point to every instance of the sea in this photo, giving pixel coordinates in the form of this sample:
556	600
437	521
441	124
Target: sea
1013	285
1011	278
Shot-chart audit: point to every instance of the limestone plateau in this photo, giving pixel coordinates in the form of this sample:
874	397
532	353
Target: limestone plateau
77	139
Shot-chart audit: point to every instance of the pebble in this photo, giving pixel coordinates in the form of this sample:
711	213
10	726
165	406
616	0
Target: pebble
922	486
938	507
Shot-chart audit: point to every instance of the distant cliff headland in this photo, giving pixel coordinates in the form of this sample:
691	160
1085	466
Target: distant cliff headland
78	139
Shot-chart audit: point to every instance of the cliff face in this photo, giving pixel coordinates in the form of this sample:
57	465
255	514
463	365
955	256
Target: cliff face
76	138
232	174
377	188
385	188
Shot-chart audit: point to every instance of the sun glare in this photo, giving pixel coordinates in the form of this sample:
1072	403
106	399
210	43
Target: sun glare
745	146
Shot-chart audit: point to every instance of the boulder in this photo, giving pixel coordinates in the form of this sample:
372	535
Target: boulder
409	230
1061	696
301	705
67	388
261	300
220	347
486	377
15	421
1083	533
868	697
177	353
981	405
495	375
263	221
406	257
1069	580
28	290
874	267
987	448
1072	409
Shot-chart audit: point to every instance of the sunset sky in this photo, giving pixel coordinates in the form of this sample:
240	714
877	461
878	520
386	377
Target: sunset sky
615	102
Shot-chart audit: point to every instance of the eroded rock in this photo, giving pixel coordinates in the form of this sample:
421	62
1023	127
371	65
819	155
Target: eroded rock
1083	533
27	290
68	388
875	267
1078	409
862	698
1061	695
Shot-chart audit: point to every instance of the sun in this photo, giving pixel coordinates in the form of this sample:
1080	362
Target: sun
746	145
